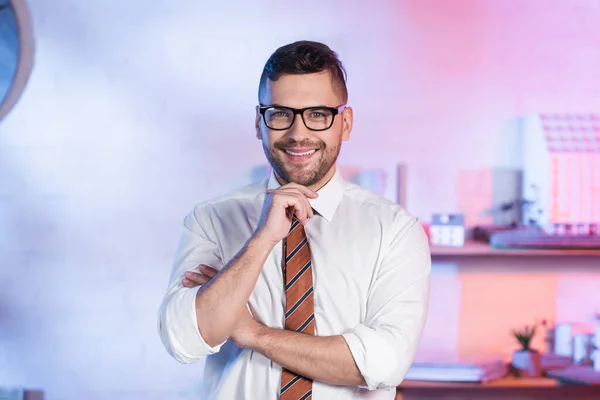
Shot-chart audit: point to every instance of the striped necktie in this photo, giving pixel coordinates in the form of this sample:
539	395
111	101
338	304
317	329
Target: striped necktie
299	314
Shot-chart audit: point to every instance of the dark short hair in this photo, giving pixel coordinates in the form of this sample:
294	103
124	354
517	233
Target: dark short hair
305	57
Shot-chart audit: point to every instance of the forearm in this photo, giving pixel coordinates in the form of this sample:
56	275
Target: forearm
322	358
235	282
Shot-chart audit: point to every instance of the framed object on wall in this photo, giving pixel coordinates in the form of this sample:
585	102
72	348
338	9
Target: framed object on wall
17	48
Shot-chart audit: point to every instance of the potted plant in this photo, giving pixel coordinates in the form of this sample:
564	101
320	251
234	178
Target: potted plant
526	360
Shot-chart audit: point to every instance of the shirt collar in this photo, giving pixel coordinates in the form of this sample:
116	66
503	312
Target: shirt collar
329	198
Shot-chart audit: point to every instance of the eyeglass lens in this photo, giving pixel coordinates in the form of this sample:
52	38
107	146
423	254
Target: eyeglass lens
314	118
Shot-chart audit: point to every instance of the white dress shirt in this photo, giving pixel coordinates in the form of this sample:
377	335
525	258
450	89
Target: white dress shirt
371	268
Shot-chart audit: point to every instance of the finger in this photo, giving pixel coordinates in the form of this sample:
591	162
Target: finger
308	208
189	284
304	190
307	211
206	270
196	277
295	201
301	208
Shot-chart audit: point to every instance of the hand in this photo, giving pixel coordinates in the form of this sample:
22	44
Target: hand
279	206
192	279
246	331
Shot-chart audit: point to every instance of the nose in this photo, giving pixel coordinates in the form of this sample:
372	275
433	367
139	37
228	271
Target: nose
298	131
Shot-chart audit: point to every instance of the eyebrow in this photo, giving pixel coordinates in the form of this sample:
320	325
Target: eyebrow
281	105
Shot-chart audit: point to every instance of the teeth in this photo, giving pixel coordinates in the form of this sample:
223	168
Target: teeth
300	154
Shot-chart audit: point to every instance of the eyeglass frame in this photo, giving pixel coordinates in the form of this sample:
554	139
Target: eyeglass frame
334	111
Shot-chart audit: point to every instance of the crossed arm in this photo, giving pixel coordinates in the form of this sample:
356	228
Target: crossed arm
322	358
373	355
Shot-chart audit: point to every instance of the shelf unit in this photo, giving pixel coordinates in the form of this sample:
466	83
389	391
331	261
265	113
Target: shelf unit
480	249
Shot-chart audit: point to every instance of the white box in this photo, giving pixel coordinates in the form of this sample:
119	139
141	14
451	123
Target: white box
447	230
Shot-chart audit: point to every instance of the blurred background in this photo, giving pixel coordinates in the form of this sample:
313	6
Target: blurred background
121	116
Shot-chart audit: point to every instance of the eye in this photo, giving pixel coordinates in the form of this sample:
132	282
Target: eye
318	113
278	114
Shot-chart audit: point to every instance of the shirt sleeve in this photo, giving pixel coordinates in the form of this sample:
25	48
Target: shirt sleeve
177	322
384	345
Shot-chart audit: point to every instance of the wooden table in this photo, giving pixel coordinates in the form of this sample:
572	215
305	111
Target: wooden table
576	375
501	389
476	249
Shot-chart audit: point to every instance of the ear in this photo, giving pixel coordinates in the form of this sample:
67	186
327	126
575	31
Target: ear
257	124
347	120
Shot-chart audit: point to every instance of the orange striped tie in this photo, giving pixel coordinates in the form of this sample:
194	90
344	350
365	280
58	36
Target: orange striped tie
299	313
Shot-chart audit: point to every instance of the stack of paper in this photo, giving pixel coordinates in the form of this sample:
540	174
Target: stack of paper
550	361
457	371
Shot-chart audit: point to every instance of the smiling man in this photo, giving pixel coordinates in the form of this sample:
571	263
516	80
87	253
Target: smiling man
302	286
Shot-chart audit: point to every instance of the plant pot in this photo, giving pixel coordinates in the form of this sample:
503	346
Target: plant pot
528	363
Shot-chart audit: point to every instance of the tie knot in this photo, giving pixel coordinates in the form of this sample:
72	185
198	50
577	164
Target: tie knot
295	223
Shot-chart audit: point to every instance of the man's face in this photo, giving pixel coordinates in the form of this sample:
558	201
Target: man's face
299	154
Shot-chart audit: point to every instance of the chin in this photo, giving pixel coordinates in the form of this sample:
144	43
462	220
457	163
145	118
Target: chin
305	178
301	179
306	174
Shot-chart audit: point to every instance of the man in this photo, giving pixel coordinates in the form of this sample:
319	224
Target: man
322	286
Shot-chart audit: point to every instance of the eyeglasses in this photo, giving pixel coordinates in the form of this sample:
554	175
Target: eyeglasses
279	118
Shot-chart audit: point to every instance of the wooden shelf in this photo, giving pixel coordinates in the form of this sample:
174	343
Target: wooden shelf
508	381
479	249
577	375
506	388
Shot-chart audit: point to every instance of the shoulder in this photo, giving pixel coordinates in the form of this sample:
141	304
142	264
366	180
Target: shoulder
376	206
395	222
404	243
228	202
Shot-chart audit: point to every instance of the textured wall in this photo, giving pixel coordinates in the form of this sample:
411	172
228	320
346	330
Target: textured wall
137	110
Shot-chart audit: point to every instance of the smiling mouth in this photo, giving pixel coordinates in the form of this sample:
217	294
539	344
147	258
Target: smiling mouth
304	153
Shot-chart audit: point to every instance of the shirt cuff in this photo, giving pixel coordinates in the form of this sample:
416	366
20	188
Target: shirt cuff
181	324
374	357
